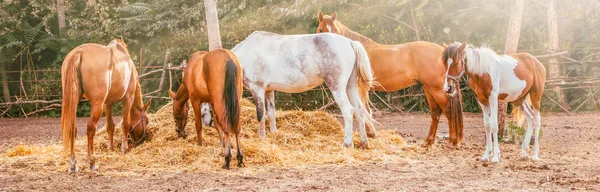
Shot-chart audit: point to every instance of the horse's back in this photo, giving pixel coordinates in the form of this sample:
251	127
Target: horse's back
294	63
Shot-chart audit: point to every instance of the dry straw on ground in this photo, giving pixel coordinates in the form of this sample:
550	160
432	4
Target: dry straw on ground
303	138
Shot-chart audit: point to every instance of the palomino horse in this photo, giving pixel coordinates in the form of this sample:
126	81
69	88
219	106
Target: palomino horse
297	63
517	78
104	75
213	77
399	66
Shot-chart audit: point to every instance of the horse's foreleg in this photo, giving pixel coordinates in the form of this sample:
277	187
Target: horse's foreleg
259	97
126	123
488	136
270	102
494	126
435	112
95	114
196	105
110	125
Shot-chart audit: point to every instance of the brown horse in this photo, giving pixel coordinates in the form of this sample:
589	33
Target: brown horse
516	78
214	77
104	75
399	66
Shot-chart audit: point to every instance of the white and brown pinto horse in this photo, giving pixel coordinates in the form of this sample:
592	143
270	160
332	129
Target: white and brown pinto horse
298	63
517	78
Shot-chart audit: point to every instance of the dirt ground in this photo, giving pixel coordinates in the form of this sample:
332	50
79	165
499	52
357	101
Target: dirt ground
569	161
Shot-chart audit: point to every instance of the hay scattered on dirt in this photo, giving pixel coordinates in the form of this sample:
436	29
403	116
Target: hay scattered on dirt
303	138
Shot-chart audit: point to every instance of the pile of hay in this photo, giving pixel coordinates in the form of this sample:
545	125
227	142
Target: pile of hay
303	138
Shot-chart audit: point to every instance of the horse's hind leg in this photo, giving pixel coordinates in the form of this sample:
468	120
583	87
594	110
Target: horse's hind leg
435	112
338	90
359	111
110	125
270	102
240	156
537	123
227	138
95	114
526	111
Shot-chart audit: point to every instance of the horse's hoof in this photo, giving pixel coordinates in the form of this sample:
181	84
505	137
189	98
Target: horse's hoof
273	130
348	145
451	145
225	167
73	169
535	158
495	160
240	165
94	168
427	144
363	145
371	135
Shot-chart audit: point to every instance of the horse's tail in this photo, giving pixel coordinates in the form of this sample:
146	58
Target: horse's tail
71	92
518	116
366	79
231	97
455	119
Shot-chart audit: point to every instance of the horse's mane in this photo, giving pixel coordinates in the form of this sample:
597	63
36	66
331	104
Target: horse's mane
138	101
480	60
345	31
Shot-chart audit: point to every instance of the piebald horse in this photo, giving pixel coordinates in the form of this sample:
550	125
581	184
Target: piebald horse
104	75
298	63
517	78
213	77
403	65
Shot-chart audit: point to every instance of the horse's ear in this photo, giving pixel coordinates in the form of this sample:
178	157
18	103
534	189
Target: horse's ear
320	16
147	104
334	16
172	94
462	47
445	45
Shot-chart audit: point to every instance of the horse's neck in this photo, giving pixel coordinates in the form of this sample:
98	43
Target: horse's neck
346	32
182	94
138	102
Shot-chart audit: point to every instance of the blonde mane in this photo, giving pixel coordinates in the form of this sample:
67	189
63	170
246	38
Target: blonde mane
484	60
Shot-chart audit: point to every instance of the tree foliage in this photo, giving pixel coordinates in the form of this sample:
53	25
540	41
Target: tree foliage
30	28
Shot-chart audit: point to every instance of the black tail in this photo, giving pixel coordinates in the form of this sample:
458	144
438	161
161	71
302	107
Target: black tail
456	119
230	95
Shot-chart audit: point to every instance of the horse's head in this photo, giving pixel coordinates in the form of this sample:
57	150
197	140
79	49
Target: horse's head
327	23
455	66
139	129
180	113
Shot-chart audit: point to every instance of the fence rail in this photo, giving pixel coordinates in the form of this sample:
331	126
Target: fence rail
46	102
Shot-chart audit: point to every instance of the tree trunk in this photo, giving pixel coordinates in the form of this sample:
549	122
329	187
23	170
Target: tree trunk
511	45
5	88
555	67
212	24
60	10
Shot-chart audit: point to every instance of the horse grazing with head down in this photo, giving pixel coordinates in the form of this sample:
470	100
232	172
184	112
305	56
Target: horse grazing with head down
298	63
399	66
517	78
213	77
104	75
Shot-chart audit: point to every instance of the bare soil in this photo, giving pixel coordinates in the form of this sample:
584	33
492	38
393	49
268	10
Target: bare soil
569	161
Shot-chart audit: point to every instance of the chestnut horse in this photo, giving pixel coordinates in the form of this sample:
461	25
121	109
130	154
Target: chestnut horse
104	75
516	78
213	77
298	63
400	66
